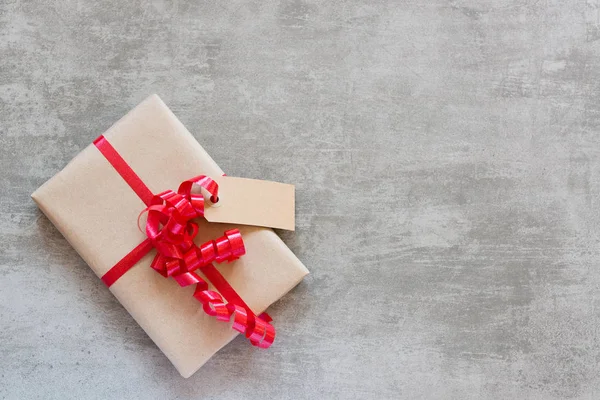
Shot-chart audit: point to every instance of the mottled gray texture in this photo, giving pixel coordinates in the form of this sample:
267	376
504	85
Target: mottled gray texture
447	162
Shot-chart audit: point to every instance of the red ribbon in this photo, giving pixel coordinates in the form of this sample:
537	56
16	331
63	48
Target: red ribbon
171	231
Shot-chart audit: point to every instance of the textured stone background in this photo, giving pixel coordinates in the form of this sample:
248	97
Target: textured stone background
447	160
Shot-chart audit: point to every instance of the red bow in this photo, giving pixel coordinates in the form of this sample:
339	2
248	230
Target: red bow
171	232
178	256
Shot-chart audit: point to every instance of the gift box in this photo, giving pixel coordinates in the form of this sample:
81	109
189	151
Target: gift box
96	207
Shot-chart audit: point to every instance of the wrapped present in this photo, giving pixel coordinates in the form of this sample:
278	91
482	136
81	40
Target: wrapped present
190	284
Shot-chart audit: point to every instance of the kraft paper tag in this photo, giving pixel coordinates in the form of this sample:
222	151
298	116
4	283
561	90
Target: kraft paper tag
253	202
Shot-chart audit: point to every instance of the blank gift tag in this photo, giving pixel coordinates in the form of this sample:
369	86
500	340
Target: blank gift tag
253	202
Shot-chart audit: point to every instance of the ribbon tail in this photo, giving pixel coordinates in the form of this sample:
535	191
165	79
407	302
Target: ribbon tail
257	328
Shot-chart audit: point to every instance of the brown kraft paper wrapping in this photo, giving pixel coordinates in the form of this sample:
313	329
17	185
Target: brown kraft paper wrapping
96	211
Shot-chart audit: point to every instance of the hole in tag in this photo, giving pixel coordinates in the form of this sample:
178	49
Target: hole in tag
216	203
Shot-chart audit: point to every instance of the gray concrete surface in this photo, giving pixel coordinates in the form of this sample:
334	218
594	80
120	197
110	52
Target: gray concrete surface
447	162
